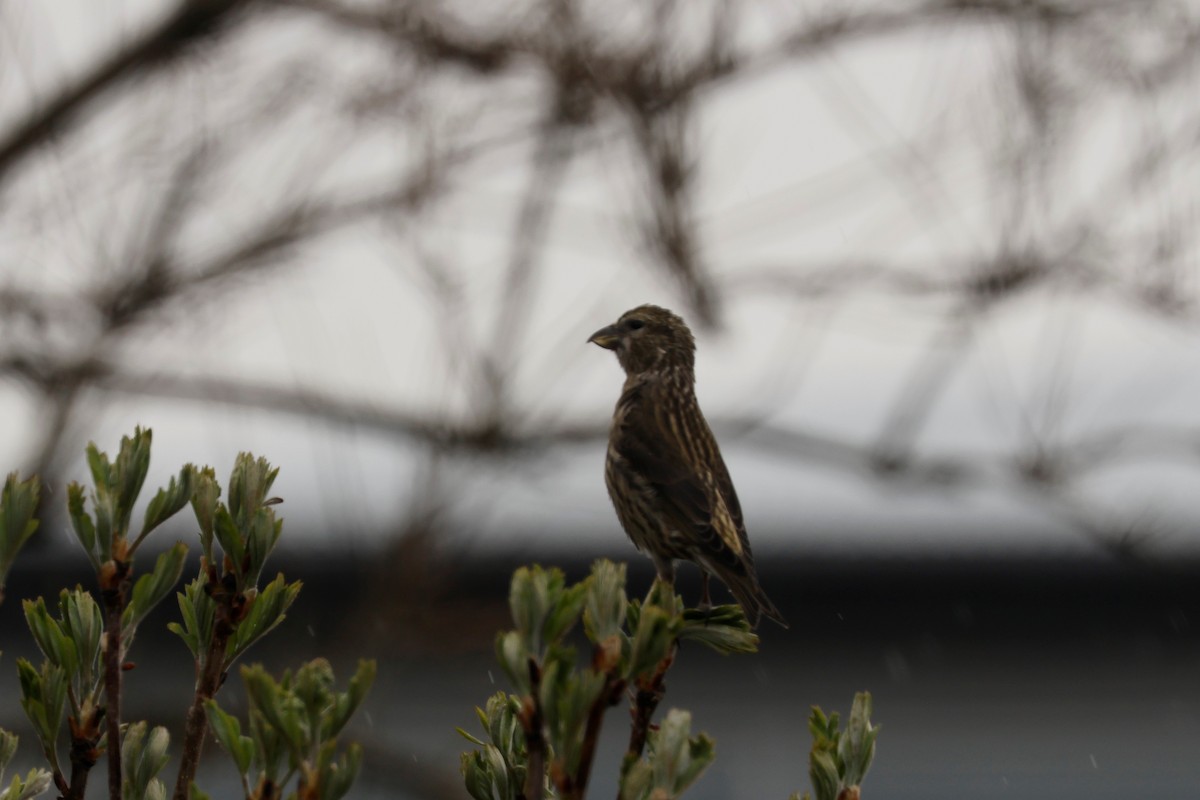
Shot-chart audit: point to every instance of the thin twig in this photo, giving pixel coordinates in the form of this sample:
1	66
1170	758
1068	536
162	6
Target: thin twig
645	700
114	587
613	690
189	22
84	755
60	783
535	737
211	676
550	159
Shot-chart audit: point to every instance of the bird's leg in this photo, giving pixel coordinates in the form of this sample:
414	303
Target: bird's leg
666	577
666	571
706	605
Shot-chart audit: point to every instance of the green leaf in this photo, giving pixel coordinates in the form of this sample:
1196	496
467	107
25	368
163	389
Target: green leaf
267	611
194	793
478	777
555	683
129	473
290	720
514	659
81	523
167	502
567	708
675	760
103	499
528	600
198	612
116	486
206	493
249	485
469	737
839	760
8	748
83	622
701	752
271	751
280	709
656	630
313	687
336	777
679	757
229	537
605	603
723	629
822	727
142	757
503	726
229	734
43	697
637	781
856	749
260	540
344	704
18	503
100	468
822	771
51	640
564	612
35	782
498	770
152	587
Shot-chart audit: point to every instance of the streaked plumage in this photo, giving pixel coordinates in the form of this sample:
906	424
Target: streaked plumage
665	475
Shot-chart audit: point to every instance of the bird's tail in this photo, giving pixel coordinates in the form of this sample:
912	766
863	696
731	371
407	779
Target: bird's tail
754	600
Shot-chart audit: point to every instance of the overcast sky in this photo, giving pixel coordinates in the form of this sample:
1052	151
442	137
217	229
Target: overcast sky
881	152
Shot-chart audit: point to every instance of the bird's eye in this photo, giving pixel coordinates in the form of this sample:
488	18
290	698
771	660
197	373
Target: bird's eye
635	324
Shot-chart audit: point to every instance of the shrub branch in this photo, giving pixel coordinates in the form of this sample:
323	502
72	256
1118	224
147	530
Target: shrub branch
211	674
114	591
535	739
613	690
644	702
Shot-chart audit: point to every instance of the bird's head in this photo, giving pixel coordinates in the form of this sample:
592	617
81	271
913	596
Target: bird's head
648	338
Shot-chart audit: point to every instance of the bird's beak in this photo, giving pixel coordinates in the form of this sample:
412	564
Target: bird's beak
608	338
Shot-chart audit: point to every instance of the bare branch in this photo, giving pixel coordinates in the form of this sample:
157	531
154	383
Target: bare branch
191	22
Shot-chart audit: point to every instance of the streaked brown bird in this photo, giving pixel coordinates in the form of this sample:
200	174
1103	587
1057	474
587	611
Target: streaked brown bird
665	475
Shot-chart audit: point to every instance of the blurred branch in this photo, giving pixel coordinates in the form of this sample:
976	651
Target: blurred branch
550	160
412	25
160	282
670	162
431	428
1073	458
919	394
191	22
566	86
647	693
129	301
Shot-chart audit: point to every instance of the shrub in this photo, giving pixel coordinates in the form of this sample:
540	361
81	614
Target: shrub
293	723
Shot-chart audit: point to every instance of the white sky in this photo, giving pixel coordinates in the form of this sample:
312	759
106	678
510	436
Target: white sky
883	151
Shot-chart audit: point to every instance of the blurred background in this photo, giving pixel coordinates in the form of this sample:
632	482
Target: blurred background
940	258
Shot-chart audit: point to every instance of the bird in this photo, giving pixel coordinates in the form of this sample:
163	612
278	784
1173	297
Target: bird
665	475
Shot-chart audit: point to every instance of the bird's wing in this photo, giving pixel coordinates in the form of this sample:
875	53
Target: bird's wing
665	439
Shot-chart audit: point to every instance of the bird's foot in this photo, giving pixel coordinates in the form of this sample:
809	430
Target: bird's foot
706	610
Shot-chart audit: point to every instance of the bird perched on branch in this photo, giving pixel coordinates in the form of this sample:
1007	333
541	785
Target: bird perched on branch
664	471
